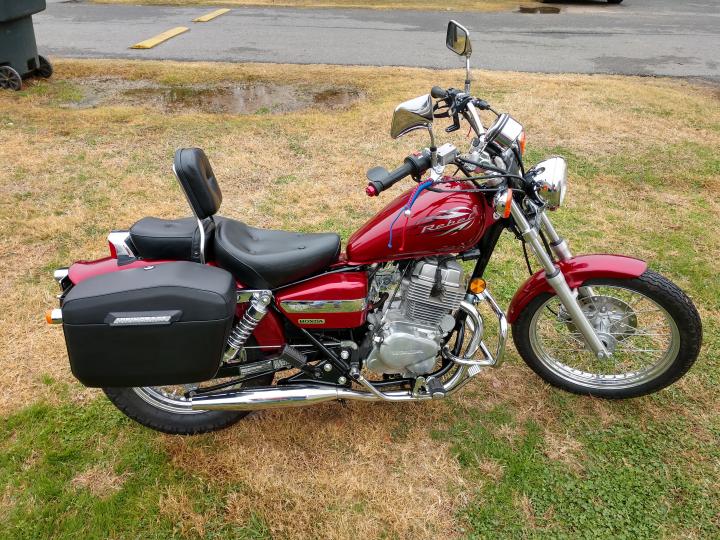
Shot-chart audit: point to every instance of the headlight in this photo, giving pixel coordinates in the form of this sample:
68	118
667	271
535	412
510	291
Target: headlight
551	179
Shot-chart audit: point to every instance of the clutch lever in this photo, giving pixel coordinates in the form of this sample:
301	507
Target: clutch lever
455	125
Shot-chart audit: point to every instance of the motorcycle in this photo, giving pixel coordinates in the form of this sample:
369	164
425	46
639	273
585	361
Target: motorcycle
192	323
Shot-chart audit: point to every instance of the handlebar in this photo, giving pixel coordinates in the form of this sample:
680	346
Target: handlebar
438	93
381	179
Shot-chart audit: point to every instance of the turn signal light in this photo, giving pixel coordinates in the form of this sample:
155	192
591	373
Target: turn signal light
508	203
53	316
477	286
521	143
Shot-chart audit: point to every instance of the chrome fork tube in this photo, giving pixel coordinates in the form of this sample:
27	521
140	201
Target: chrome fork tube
557	243
557	281
560	248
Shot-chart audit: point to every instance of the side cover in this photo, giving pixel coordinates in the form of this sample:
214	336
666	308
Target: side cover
328	301
158	325
577	271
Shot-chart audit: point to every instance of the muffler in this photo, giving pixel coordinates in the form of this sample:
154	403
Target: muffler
275	397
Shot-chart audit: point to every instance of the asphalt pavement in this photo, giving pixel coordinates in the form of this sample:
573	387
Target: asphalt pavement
645	37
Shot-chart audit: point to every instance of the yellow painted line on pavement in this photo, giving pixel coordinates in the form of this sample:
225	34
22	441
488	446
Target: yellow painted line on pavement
210	16
157	40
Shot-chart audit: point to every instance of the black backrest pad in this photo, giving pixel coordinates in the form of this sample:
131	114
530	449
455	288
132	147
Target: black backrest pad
198	181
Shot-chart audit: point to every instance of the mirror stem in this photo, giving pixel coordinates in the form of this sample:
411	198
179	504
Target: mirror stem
433	148
467	74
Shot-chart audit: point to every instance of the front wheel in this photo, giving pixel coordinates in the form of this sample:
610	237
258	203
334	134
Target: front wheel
648	324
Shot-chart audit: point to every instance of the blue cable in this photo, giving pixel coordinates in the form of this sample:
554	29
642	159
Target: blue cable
408	206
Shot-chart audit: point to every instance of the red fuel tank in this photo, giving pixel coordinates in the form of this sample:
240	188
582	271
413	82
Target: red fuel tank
440	223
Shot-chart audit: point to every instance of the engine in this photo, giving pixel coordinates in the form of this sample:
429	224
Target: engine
408	332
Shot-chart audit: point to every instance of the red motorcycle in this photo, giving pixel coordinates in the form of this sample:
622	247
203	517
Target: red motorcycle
191	323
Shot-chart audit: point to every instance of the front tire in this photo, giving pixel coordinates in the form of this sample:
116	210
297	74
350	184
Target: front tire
650	325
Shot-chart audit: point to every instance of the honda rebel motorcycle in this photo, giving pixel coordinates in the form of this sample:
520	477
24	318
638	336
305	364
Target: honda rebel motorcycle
191	323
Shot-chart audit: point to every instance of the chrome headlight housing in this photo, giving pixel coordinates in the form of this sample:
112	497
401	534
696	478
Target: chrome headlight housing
505	132
551	179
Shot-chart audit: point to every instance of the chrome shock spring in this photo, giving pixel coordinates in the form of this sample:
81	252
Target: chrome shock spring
247	324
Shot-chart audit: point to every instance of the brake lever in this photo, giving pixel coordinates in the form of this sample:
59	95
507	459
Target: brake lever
441	112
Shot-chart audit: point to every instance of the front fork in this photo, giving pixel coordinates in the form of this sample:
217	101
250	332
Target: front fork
555	277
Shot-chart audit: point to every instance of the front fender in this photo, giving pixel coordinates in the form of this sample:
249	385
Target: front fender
577	270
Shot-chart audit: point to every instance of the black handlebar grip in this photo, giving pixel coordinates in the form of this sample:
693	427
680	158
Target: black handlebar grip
393	177
413	165
438	93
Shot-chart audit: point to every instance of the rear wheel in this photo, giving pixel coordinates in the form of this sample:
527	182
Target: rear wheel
648	324
166	409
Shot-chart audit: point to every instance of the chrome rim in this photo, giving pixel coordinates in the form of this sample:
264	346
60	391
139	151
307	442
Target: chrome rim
172	398
643	338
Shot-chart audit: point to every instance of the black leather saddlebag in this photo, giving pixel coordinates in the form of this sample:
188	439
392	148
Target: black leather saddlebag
160	325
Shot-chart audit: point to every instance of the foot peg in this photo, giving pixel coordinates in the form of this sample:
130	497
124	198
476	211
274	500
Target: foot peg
293	357
435	388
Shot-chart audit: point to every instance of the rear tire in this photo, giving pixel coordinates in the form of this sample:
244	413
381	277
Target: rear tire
554	366
145	406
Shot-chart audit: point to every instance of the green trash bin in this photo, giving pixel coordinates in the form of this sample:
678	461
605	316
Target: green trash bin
18	51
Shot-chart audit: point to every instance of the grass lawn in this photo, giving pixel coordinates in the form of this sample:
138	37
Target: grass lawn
508	457
430	5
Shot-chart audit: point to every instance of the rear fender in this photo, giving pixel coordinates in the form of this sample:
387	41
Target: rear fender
577	271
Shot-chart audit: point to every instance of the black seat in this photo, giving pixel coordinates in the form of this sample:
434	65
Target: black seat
258	258
265	259
173	239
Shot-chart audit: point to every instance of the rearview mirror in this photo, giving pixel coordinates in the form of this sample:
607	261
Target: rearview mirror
458	39
413	114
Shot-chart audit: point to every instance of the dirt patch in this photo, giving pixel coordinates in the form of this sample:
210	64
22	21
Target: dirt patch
230	98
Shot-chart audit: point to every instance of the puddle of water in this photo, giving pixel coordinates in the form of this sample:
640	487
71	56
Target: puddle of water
538	9
229	99
336	97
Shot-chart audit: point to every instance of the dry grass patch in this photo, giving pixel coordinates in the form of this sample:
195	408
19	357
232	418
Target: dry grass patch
100	480
332	472
177	505
564	448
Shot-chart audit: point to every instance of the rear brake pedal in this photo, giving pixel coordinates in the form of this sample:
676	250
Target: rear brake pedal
293	357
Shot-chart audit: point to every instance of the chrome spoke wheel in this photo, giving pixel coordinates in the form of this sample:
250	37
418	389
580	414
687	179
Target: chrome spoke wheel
643	338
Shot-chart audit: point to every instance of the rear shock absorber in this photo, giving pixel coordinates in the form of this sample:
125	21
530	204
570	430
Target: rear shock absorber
246	325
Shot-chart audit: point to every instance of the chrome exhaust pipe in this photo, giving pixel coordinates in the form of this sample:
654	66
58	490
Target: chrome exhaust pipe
275	397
